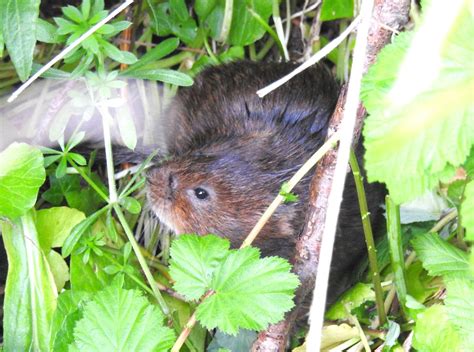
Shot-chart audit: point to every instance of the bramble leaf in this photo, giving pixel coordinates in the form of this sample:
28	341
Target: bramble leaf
434	332
440	257
420	103
117	319
250	292
460	307
193	261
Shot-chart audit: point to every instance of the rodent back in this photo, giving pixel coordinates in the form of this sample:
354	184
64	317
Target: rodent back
223	103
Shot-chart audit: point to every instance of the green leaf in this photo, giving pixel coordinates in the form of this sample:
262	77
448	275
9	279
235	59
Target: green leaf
91	276
78	230
419	111
86	8
460	307
46	32
245	28
179	10
55	224
241	343
250	293
164	75
131	205
58	268
19	32
161	50
68	312
286	193
126	125
120	320
73	13
193	261
467	211
30	292
21	175
98	6
203	8
116	54
434	332
335	9
51	73
352	298
440	257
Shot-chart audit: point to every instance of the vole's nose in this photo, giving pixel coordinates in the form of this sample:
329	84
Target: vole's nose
162	181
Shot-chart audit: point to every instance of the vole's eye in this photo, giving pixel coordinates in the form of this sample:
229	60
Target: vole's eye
201	193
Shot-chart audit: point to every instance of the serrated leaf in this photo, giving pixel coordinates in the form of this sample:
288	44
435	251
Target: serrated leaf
434	332
460	307
419	112
335	9
352	298
55	224
193	261
250	293
467	211
440	257
19	28
30	291
21	175
68	311
120	320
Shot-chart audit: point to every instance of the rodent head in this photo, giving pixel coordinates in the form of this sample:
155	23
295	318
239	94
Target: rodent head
222	189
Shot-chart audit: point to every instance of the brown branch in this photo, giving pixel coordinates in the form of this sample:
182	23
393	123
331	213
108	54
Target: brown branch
386	14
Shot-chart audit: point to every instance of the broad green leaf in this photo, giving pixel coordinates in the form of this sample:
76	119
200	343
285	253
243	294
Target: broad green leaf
120	320
245	29
420	104
163	75
30	291
19	32
352	298
68	312
467	211
419	283
434	332
203	8
440	257
55	224
335	9
59	269
250	293
179	10
193	262
46	32
78	230
460	307
161	50
21	175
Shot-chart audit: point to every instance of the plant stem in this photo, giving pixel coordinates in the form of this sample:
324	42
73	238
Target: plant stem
106	119
142	261
89	181
227	21
396	250
369	238
265	49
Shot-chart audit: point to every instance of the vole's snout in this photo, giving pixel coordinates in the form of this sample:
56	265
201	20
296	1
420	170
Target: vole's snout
162	182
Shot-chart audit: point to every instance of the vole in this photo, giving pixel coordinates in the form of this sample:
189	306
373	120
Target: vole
230	152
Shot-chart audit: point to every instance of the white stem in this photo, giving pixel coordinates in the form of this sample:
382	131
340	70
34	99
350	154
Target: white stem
106	119
334	202
312	60
67	50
